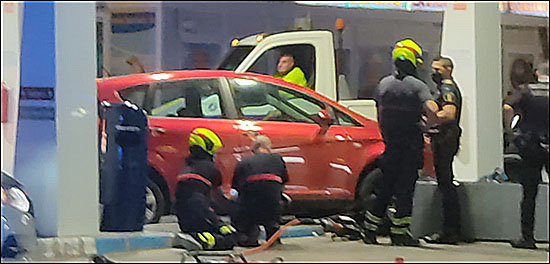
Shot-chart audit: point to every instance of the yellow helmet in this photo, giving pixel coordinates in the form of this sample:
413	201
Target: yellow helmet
206	139
408	49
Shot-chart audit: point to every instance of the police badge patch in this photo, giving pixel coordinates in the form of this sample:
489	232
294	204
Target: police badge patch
448	97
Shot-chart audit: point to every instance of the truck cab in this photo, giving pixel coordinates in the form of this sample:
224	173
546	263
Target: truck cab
314	53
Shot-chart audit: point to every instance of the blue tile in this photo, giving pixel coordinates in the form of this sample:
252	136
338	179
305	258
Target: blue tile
302	231
108	244
148	242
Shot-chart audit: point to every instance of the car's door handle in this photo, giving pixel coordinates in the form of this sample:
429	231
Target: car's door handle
158	129
249	133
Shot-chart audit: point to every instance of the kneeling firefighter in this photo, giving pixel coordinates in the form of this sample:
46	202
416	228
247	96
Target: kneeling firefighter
259	179
197	179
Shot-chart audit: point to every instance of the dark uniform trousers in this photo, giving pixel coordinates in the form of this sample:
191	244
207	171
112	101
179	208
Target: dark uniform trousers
399	164
196	216
444	147
533	158
259	204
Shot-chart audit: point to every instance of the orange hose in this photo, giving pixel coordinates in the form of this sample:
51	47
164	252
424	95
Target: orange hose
268	243
271	240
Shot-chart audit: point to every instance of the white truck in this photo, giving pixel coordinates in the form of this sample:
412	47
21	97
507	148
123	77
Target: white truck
314	53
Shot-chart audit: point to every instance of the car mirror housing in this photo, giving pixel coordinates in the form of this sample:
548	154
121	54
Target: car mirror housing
325	120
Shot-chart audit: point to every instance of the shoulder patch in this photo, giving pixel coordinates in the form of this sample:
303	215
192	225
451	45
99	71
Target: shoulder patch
447	81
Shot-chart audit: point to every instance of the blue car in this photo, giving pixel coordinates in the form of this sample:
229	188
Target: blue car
18	231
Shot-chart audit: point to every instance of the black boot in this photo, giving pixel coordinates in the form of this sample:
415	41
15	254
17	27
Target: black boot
524	243
370	237
404	240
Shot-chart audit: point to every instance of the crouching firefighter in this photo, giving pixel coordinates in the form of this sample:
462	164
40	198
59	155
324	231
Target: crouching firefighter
197	179
259	179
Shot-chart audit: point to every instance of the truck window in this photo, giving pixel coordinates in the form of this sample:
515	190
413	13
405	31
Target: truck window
304	58
235	57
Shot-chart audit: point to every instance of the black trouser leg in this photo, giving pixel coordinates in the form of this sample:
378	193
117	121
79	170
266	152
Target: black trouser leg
404	188
391	168
443	158
529	181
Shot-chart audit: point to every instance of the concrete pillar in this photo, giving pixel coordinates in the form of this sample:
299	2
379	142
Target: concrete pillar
56	149
471	36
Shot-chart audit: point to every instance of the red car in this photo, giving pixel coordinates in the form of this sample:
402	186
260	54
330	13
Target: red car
329	150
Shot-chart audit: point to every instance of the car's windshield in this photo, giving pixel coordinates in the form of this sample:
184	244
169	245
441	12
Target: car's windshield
235	57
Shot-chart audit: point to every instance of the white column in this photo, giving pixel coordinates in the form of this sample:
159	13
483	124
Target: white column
472	38
159	31
11	45
76	102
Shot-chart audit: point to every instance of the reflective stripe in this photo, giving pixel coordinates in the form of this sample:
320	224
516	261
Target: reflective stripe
189	176
373	218
369	226
208	238
399	230
264	177
401	221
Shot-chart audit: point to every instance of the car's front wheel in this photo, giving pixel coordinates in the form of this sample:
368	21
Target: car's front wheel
154	202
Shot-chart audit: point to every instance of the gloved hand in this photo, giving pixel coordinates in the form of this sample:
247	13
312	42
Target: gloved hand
207	240
227	229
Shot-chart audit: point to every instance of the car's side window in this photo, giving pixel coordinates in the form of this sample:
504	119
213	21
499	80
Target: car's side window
135	94
182	98
263	101
344	120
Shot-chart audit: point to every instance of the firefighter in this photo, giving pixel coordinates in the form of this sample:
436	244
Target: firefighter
445	141
531	102
195	181
259	180
287	71
400	98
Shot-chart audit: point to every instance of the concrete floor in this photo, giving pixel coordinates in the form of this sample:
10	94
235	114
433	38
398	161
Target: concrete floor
323	249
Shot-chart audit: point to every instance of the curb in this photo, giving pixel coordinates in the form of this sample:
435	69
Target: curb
85	246
56	247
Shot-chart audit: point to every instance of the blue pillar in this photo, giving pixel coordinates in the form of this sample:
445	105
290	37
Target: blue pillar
56	145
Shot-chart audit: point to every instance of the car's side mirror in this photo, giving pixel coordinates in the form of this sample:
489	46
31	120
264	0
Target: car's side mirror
325	120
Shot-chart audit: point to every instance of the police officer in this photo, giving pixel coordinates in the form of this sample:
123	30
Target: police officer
445	141
400	99
531	102
195	182
259	179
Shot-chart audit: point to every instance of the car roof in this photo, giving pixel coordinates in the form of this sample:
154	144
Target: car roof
111	84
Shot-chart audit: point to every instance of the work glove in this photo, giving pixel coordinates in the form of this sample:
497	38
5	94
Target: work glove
227	229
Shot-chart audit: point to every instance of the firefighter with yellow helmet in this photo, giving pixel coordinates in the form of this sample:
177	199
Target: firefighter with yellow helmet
195	181
400	99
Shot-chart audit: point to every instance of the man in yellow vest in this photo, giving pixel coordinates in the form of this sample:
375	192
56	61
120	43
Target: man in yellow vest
288	72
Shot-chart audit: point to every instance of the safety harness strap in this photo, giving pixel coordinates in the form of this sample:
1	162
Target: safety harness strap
194	176
264	177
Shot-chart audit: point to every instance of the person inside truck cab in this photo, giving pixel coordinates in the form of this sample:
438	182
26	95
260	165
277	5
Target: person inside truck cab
287	71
